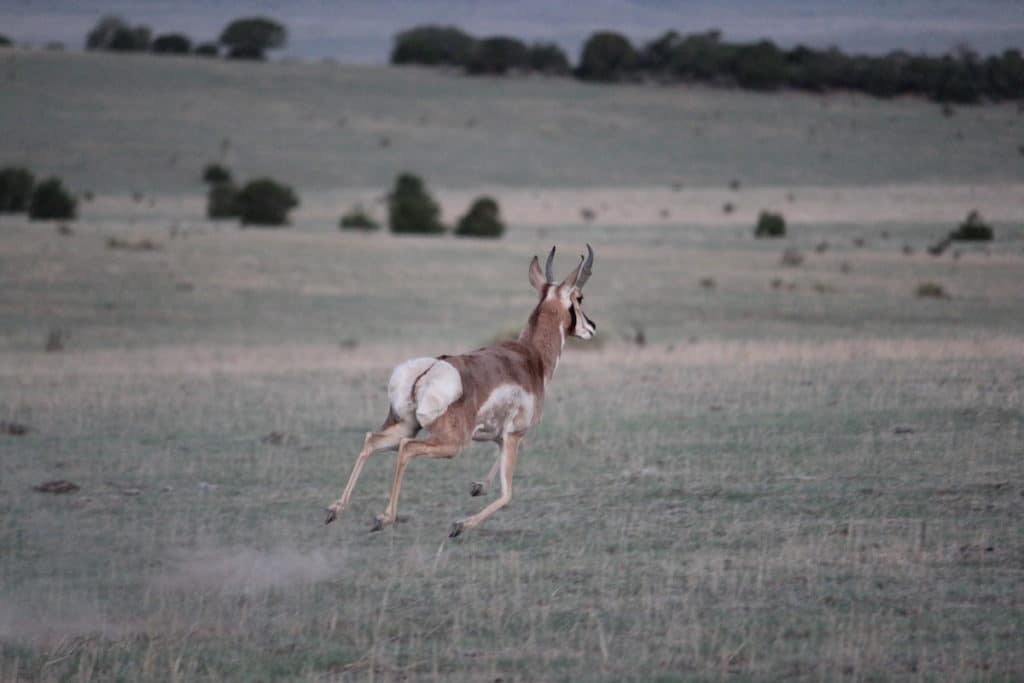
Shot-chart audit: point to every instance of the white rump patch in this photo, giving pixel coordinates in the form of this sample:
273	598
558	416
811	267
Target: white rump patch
437	385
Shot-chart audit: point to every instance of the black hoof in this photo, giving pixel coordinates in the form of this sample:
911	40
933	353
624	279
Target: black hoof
455	530
378	524
476	489
331	516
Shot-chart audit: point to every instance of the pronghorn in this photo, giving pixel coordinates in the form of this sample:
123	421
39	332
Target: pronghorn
491	394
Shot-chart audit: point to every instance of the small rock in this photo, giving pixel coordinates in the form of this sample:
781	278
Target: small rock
55	341
276	438
57	486
13	428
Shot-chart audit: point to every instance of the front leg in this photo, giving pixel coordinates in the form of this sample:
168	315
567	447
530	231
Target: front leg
478	488
507	464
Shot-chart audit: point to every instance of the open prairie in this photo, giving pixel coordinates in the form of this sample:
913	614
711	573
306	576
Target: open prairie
755	472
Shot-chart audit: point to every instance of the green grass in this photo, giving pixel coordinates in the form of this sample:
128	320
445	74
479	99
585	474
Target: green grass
802	482
115	123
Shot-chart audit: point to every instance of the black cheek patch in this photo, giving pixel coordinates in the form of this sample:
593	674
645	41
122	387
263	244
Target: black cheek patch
572	319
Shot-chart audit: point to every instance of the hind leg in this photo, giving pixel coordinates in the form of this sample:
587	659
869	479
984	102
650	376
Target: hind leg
388	438
433	447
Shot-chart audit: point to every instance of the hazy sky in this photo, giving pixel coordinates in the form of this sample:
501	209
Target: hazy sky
362	30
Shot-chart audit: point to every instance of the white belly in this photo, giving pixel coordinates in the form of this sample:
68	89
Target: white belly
509	408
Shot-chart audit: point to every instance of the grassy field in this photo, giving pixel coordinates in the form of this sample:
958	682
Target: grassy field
803	473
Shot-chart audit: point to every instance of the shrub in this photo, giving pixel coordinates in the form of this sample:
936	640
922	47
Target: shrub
264	201
770	225
50	200
433	45
5	41
15	189
547	58
606	56
215	173
246	52
760	66
931	290
498	55
973	229
411	209
207	50
358	219
482	220
172	44
252	36
114	33
657	55
792	258
222	201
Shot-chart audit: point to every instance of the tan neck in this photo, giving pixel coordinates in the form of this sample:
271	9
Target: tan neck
544	333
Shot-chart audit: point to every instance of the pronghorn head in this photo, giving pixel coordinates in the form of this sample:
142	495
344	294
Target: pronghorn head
564	299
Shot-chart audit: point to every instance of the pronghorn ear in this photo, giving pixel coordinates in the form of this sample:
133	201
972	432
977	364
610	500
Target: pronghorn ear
537	277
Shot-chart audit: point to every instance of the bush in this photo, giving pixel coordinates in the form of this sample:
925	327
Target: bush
791	258
770	225
358	219
973	229
433	45
498	55
249	53
250	36
50	200
114	33
222	201
760	66
411	209
215	173
264	201
15	189
172	44
482	220
5	41
607	56
931	290
207	50
547	58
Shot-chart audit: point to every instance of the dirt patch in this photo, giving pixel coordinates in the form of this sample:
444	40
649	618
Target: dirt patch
51	624
144	244
247	570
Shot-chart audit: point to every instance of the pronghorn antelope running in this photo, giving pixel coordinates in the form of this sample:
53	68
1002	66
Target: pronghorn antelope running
492	394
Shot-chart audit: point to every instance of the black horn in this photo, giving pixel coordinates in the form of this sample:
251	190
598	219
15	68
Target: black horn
585	271
548	272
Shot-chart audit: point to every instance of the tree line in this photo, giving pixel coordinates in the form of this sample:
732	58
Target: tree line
244	38
607	56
